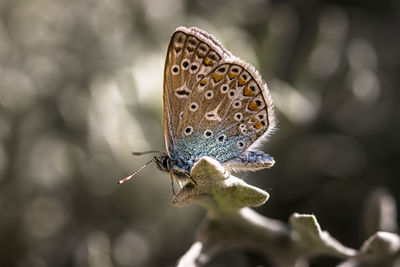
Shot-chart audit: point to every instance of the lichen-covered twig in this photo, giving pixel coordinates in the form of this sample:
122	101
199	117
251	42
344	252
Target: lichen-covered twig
231	223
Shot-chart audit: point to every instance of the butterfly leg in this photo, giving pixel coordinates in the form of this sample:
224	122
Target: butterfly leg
192	180
172	184
185	178
251	160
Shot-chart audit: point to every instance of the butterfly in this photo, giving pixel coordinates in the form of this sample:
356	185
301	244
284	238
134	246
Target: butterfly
214	104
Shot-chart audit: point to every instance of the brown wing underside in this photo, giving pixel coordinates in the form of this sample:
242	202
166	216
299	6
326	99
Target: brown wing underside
191	55
207	89
231	100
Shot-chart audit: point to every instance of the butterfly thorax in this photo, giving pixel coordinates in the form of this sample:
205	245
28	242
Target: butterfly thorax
177	166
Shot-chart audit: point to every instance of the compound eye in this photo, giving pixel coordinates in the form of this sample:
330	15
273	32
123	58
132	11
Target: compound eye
166	163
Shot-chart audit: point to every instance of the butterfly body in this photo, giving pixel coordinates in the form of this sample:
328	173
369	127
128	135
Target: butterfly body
215	105
178	167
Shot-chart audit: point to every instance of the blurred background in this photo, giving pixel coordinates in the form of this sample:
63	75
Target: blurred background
81	86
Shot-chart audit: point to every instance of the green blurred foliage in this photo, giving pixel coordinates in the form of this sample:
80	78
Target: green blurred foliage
81	86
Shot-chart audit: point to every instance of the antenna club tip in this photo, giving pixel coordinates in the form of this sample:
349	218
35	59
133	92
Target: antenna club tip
135	172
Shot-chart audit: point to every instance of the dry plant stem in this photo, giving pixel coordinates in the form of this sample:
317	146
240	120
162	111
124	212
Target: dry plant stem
230	223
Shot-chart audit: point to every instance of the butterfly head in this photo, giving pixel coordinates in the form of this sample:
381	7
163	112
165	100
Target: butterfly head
164	162
174	166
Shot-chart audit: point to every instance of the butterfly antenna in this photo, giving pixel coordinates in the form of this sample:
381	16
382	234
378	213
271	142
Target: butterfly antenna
135	172
136	153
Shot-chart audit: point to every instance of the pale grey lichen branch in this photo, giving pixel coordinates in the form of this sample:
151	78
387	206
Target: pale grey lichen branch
230	223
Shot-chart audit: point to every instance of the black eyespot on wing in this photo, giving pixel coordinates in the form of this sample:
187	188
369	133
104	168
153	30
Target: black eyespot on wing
207	133
179	41
213	57
182	92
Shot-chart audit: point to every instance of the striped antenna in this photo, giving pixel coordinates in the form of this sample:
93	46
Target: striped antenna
136	172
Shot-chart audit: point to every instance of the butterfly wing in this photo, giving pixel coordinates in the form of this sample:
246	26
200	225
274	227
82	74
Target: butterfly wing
227	112
214	103
191	55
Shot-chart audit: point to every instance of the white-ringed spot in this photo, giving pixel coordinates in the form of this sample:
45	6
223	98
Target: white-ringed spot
209	94
185	64
194	67
240	144
221	138
188	130
208	133
231	93
193	106
238	116
237	104
175	69
224	88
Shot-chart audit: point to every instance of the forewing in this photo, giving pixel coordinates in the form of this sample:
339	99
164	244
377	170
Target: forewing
191	55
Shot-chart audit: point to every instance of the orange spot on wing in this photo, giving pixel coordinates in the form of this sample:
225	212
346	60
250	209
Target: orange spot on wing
203	82
258	125
217	77
247	91
241	81
253	106
254	119
232	75
200	54
207	61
